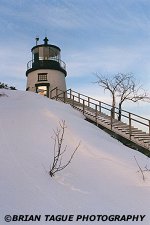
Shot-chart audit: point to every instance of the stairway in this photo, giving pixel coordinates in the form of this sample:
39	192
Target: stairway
100	113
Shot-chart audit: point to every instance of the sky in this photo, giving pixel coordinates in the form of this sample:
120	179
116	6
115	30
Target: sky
95	36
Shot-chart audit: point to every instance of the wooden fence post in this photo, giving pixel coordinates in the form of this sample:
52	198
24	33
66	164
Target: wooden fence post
96	114
111	117
111	121
64	96
79	97
88	101
130	131
83	106
56	93
100	107
73	100
70	93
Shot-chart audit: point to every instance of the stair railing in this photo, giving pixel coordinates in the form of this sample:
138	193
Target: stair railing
94	108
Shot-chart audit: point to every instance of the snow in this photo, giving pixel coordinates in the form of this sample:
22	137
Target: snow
102	179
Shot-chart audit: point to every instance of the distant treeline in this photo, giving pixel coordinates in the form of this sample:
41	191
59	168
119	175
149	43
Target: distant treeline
5	86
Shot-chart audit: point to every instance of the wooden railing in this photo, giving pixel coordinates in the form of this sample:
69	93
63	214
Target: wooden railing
97	107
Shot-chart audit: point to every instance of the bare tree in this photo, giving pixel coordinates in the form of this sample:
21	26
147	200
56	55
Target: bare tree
130	90
110	83
122	87
59	150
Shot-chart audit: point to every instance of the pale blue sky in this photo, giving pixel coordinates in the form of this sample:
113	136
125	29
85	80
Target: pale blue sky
105	36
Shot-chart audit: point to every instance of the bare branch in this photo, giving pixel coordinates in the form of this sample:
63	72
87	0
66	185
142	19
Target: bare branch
59	150
140	168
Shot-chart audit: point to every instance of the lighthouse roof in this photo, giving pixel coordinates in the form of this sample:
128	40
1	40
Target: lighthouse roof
46	45
43	45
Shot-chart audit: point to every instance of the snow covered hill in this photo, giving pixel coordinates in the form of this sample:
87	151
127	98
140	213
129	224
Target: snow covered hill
102	179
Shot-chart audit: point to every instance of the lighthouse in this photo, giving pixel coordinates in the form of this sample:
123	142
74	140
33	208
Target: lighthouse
46	70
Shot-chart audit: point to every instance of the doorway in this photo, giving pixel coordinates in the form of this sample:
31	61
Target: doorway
42	89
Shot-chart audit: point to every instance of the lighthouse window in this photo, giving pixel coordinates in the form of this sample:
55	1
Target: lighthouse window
42	77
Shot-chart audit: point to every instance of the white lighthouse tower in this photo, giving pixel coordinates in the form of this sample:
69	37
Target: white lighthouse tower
46	70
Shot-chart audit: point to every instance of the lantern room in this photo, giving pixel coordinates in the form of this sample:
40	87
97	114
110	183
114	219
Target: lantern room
46	70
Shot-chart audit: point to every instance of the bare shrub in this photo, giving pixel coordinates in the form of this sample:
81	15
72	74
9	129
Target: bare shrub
142	171
60	150
143	177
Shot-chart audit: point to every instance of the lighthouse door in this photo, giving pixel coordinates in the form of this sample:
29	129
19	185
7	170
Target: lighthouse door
42	89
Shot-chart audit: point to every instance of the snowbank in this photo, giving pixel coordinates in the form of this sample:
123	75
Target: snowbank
102	179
